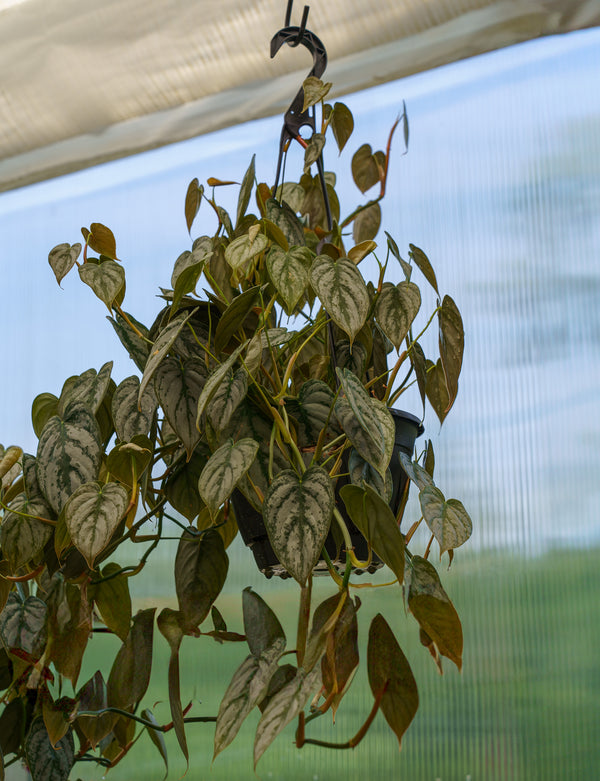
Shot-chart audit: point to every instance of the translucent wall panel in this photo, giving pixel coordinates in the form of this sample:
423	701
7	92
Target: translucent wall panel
501	187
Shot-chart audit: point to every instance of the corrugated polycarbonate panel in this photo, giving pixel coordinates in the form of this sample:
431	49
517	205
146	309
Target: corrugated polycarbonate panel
501	187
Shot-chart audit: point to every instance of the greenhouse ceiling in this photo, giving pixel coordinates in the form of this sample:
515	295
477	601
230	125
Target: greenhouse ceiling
86	81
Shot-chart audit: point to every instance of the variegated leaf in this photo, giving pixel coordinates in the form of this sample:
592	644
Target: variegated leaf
68	455
362	472
44	406
420	477
8	460
297	515
312	410
342	290
243	249
45	761
22	537
62	259
396	308
247	688
178	385
213	383
227	398
23	624
289	273
223	471
447	518
132	416
89	389
161	347
369	446
283	707
107	280
92	514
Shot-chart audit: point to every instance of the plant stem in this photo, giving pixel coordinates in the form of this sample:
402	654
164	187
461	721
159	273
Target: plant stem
303	619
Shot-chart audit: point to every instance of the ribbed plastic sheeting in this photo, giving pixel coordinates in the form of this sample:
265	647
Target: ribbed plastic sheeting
85	81
501	187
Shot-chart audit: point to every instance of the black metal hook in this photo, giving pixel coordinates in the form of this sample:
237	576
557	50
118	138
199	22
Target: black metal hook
294	118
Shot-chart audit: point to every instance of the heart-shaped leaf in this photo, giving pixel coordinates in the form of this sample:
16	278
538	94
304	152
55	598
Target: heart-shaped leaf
447	519
391	678
342	124
23	624
170	625
315	91
44	407
361	250
420	477
312	410
89	388
92	697
432	608
396	308
101	239
365	168
313	151
340	661
373	517
45	761
366	223
92	514
283	215
107	280
178	385
62	259
223	471
23	537
201	566
181	488
243	249
289	273
297	515
342	290
131	415
68	454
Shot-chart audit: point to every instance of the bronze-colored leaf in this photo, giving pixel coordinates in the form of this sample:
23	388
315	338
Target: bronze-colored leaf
366	224
452	345
58	717
436	389
391	678
432	608
193	199
101	239
69	625
201	566
421	260
92	697
130	673
170	625
365	168
342	124
113	600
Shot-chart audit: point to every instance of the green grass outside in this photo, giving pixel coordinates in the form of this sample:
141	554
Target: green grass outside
525	707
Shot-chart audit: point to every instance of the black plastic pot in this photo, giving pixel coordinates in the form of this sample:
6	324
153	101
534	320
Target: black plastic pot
254	534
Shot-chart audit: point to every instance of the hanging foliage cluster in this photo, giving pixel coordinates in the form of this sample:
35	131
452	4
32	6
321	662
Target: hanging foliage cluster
264	390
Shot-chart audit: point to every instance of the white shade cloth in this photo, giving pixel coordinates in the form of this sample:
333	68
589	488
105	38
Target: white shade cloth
86	81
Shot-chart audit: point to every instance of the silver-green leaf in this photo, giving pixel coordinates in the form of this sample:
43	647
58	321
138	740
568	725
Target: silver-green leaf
396	308
288	271
68	455
62	259
447	518
178	385
224	469
342	290
297	515
241	250
45	761
107	280
227	398
23	624
23	537
92	514
283	707
132	416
